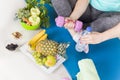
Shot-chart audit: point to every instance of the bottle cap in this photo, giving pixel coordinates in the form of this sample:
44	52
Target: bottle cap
89	29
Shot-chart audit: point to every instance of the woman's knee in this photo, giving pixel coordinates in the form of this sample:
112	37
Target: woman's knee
62	7
105	23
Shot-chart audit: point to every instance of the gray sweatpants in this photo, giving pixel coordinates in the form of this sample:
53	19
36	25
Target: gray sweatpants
99	21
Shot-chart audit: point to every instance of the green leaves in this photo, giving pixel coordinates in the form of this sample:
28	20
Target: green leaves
44	16
31	3
45	2
38	2
44	12
40	6
23	13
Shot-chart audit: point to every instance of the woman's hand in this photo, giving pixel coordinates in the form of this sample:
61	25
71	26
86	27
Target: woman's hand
69	23
92	38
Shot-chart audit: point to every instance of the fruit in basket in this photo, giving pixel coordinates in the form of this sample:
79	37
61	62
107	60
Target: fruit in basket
44	60
42	38
46	51
50	47
51	61
38	37
40	59
47	47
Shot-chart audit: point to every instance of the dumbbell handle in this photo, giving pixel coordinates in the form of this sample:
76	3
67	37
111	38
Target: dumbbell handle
60	21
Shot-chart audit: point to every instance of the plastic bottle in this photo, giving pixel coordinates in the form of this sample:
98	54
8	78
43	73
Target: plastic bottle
60	21
79	46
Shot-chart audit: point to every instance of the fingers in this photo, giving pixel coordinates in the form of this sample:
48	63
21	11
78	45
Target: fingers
69	23
67	19
87	39
92	38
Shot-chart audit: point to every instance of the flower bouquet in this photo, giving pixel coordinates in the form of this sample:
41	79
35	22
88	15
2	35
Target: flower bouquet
34	14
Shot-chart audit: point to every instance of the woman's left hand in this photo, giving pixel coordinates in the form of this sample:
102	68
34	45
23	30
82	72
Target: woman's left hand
92	38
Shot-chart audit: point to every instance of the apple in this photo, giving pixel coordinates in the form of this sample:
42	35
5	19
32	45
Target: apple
51	61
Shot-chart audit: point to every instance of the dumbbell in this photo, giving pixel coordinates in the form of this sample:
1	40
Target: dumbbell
60	21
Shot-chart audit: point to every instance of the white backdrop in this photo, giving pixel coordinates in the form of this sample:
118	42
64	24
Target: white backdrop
13	64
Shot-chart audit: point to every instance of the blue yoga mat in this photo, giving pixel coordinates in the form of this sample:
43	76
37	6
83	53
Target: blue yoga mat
106	55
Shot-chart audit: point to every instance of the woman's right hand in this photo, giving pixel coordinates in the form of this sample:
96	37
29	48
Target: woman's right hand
69	23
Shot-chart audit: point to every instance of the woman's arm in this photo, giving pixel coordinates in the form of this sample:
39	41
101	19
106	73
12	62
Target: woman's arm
112	33
95	38
80	7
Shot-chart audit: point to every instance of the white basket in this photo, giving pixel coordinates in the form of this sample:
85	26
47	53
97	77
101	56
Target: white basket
25	50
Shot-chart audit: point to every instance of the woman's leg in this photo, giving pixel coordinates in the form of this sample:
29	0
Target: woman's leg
65	8
62	7
106	21
72	3
90	15
95	13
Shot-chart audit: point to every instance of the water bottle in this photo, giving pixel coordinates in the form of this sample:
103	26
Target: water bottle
79	46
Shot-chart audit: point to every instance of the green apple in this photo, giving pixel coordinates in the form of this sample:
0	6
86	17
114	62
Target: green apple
51	61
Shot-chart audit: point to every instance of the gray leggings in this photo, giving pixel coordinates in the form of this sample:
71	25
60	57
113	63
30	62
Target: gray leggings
99	21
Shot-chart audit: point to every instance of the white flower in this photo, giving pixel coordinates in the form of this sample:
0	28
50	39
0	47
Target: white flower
35	20
35	11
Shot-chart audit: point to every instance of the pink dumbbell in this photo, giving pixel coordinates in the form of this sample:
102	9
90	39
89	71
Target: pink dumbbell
60	21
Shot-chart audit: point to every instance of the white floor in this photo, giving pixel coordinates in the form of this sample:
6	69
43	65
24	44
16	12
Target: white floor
13	64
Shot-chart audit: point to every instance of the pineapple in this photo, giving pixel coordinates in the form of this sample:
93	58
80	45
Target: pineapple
47	47
50	47
61	49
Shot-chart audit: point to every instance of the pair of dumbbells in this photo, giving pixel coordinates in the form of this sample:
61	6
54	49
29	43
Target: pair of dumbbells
60	21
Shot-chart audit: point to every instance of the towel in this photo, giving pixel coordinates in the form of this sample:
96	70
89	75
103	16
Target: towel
87	70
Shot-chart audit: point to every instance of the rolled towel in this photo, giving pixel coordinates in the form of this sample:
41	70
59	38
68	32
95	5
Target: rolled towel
87	70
